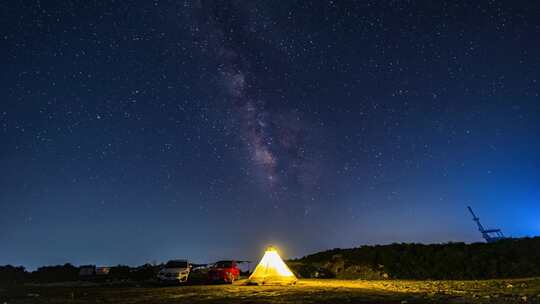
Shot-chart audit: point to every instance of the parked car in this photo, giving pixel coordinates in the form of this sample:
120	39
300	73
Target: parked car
175	271
93	273
87	272
224	271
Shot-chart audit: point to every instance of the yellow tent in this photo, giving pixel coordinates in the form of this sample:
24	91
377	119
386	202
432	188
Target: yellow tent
271	270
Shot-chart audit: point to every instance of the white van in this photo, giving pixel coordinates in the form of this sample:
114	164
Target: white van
175	271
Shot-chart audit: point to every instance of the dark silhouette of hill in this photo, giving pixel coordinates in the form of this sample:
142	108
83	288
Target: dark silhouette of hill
509	258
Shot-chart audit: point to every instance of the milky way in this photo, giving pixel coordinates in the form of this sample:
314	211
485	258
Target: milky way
273	138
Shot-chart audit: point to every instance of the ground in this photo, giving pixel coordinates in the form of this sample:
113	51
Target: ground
305	291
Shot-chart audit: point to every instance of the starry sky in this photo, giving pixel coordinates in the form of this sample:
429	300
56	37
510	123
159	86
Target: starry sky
139	131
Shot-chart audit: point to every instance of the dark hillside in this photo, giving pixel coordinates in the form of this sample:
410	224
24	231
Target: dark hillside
509	258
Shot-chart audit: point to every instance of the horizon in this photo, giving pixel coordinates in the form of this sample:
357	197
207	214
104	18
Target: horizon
160	262
208	129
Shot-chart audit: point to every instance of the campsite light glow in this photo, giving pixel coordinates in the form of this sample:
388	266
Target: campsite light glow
272	269
272	258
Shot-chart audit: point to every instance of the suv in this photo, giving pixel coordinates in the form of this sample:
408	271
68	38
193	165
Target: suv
224	271
176	271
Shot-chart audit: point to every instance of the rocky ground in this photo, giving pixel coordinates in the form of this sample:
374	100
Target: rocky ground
305	291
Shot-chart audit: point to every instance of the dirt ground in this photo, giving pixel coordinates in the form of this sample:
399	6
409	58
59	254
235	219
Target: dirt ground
305	291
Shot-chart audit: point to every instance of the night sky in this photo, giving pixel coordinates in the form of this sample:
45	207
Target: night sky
139	131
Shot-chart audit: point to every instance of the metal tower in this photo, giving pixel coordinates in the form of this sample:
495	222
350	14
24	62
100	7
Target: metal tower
490	235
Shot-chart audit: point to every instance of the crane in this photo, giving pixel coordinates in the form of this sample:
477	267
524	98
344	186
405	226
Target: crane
490	235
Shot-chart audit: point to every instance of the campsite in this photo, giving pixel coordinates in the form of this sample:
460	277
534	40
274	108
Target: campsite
273	281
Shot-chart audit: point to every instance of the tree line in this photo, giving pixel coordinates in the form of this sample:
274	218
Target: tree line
509	258
12	275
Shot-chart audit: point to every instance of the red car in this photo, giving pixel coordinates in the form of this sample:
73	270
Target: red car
224	271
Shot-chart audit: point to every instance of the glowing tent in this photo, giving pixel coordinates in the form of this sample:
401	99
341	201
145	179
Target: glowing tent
271	270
